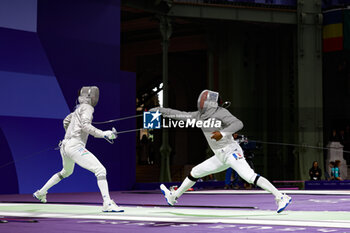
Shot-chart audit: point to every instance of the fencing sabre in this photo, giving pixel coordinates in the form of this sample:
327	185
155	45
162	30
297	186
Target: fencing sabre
115	132
118	119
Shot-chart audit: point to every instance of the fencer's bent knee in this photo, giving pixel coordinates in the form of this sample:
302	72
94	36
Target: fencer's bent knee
59	175
190	177
254	179
64	173
195	173
101	171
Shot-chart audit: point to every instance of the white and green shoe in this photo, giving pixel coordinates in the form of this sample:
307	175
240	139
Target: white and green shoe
40	196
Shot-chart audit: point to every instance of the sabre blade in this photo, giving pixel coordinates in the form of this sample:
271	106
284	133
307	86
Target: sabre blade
118	119
129	131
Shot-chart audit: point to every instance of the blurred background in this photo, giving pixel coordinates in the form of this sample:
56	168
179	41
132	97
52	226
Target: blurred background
283	64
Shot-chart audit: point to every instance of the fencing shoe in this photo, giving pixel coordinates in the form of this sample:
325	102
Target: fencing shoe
283	202
40	196
169	195
110	206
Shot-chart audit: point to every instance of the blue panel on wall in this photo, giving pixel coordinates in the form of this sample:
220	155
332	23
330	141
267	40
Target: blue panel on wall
89	20
79	45
82	60
7	167
128	154
22	52
31	95
18	14
32	141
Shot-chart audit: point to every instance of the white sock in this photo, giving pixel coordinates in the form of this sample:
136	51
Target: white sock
51	182
103	186
186	184
266	185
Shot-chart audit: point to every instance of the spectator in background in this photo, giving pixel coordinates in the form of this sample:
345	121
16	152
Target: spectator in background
332	164
330	176
315	172
228	175
334	137
337	170
347	144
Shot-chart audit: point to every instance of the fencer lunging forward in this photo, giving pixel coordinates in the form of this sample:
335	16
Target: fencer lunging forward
228	153
78	127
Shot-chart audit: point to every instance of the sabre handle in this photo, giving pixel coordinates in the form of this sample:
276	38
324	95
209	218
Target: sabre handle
110	138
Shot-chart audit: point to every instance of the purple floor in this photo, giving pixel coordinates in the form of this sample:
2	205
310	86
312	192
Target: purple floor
261	201
76	225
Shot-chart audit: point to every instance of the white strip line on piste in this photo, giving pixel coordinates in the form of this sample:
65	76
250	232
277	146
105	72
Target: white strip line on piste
122	216
301	192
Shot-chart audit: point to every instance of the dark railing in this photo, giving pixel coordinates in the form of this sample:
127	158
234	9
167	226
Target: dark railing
331	4
262	3
326	4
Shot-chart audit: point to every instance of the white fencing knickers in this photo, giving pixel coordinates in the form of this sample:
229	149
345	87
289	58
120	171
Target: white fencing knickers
73	151
230	156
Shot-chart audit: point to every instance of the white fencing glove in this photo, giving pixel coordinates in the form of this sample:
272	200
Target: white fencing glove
109	134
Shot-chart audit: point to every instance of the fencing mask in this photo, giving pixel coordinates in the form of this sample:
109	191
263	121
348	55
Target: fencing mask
207	103
89	95
207	99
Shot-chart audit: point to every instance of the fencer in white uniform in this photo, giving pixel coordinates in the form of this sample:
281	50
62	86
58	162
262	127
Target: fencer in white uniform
227	151
78	127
